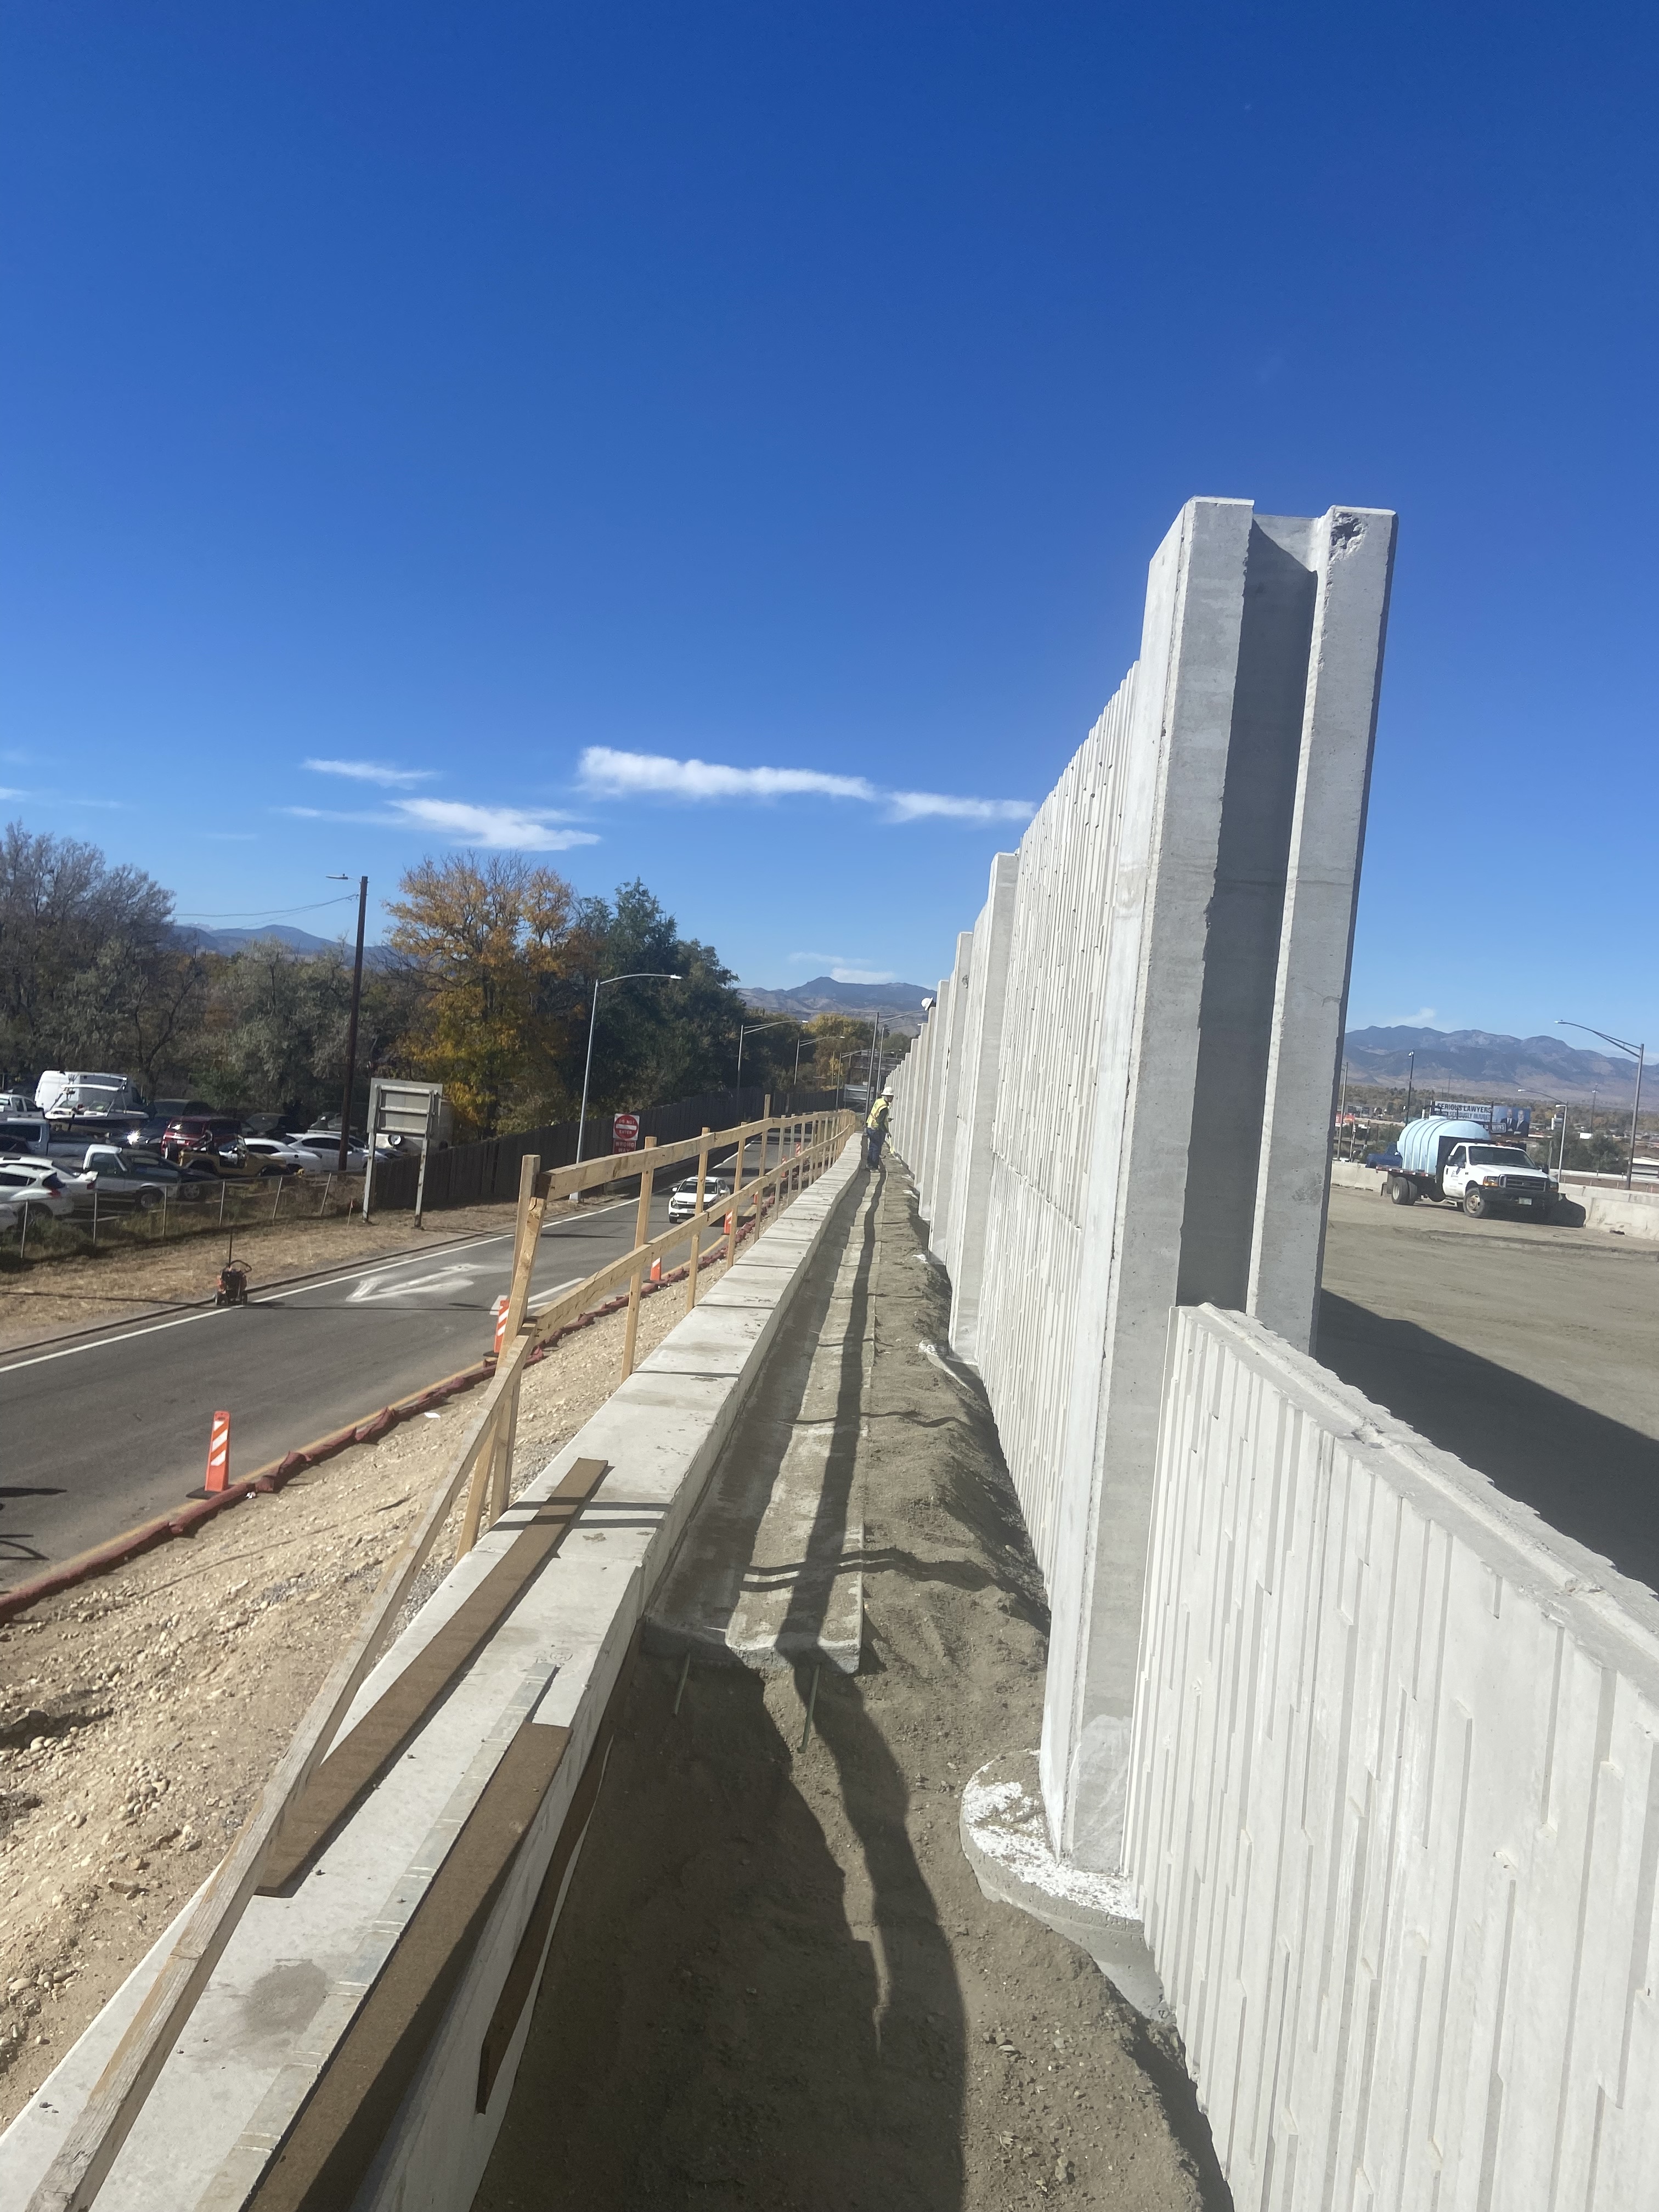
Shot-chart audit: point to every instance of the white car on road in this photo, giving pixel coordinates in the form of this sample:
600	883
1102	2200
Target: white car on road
682	1199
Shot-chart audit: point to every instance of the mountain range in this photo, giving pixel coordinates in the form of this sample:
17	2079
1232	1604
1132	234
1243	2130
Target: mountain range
300	942
900	1004
1477	1064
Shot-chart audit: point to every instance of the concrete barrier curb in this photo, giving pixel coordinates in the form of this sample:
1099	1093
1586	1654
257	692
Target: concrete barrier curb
301	1966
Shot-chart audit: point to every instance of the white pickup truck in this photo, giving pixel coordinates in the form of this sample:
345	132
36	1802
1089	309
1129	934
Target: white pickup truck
1490	1178
130	1179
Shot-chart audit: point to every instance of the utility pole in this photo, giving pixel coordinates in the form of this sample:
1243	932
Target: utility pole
351	1027
1411	1075
1342	1113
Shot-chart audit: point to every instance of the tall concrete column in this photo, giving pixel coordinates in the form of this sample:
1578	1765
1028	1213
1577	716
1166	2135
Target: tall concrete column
993	937
1224	985
1168	834
1352	558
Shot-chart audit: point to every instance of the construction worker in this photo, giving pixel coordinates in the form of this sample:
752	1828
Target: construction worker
875	1129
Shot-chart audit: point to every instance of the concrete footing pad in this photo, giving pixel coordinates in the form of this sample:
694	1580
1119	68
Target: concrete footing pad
768	1574
1004	1834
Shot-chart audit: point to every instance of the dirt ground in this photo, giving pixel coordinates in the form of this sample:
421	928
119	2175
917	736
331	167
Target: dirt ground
47	1298
775	1983
1527	1348
141	1713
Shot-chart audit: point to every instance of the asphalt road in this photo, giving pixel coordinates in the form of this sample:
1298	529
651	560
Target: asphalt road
104	1431
1527	1349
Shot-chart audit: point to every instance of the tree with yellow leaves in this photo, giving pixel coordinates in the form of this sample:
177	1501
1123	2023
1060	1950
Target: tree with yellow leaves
498	943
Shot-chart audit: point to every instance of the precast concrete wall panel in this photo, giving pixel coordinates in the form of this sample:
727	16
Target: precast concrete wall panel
1178	953
1043	1122
976	1121
1395	1807
950	1109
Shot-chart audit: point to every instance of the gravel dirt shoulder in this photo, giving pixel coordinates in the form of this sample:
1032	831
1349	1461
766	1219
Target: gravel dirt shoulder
140	1714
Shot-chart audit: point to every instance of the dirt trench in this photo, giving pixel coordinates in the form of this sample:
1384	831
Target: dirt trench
775	1983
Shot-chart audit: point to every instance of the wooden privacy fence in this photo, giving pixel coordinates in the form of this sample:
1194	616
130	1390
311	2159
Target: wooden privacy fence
285	1828
477	1174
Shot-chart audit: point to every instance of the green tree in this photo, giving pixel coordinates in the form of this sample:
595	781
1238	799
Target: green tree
657	1042
89	963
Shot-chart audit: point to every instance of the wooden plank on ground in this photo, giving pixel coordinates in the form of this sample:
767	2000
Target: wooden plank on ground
351	1769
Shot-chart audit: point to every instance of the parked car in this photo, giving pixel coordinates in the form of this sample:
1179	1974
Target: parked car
682	1199
280	1156
214	1142
36	1184
25	1134
325	1142
136	1183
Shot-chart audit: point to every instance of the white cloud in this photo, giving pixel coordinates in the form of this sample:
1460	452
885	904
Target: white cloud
844	967
518	829
7	792
608	773
380	772
611	775
916	806
509	829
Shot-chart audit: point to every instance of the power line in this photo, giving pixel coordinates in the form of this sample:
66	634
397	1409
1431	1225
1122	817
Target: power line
264	914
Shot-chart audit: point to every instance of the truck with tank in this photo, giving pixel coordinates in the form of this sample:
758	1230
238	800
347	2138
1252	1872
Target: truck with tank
1459	1163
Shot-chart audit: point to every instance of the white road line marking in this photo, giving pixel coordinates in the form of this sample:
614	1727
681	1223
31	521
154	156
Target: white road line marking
327	1283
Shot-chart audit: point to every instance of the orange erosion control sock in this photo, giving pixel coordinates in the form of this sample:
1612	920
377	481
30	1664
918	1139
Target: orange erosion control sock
218	1465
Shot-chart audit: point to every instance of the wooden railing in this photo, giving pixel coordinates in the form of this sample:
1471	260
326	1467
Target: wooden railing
807	1144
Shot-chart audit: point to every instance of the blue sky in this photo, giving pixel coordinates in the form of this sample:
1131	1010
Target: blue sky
504	398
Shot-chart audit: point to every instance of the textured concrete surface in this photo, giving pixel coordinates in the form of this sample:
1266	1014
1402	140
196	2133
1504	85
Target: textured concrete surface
255	2044
964	1251
1395	1807
1178	963
769	1570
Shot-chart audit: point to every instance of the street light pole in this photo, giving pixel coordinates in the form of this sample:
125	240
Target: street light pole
748	1029
351	1026
633	975
1638	1053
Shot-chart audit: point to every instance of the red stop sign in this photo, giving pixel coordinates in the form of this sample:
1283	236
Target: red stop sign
624	1133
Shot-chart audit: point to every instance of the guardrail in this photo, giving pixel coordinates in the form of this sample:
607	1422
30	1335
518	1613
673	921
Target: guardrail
286	1822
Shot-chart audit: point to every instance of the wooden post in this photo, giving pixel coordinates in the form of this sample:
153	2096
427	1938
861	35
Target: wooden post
696	1227
636	1281
737	1200
492	1476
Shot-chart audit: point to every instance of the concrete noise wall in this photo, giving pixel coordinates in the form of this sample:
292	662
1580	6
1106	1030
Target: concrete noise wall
1168	958
1394	1814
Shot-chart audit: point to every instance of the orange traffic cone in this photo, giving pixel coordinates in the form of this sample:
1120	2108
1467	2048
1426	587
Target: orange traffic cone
500	1312
656	1270
218	1465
